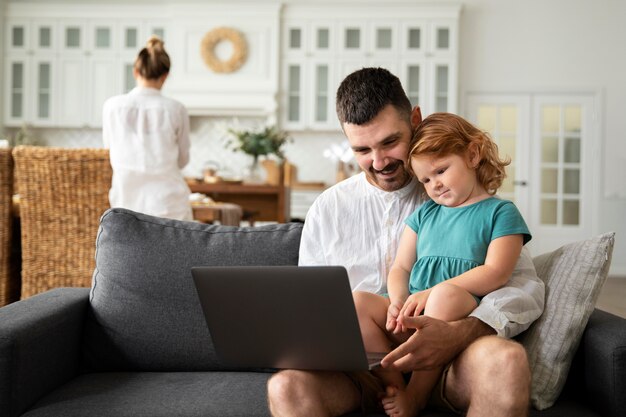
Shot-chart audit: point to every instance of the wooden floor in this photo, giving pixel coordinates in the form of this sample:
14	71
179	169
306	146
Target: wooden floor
613	296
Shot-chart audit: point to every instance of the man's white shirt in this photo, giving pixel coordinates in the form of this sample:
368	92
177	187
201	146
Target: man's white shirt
357	225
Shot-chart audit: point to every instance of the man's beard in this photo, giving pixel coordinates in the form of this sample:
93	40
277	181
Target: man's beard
398	180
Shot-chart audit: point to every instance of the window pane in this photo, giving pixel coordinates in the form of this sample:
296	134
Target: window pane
571	212
294	109
508	119
160	32
383	38
323	39
507	184
295	40
414	84
550	149
294	78
18	76
103	38
43	108
549	181
17	38
44	76
45	37
548	211
321	113
131	38
353	38
550	119
72	37
507	147
129	78
571	181
443	38
16	105
414	38
442	88
572	118
572	150
487	118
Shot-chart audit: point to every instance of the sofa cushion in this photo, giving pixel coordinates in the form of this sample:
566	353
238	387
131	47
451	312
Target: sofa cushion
573	275
158	394
144	311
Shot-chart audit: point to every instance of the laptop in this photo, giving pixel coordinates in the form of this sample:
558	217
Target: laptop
283	317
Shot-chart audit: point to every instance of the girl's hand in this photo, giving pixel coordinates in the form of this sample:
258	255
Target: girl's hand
414	305
392	318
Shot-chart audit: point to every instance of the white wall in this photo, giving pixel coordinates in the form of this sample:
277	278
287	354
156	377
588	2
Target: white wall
507	46
557	46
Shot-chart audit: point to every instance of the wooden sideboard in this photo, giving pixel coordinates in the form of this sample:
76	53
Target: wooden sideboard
265	202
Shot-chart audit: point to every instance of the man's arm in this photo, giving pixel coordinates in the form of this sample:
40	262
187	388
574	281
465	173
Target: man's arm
506	312
435	343
311	250
513	308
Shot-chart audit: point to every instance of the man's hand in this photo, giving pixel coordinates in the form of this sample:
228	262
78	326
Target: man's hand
435	343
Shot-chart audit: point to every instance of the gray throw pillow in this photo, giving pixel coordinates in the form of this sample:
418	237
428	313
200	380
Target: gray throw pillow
144	310
573	275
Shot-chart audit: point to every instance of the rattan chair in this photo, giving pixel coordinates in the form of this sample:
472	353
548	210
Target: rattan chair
9	274
63	193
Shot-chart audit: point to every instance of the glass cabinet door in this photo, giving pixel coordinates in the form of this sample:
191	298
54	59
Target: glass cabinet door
294	93
321	93
17	73
44	90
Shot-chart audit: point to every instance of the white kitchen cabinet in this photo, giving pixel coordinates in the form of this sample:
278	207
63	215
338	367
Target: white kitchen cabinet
59	71
418	44
30	73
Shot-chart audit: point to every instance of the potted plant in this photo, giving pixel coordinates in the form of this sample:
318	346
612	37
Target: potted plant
268	140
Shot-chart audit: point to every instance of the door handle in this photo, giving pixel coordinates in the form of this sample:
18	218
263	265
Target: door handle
522	183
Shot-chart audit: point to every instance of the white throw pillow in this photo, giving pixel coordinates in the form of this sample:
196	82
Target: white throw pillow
573	275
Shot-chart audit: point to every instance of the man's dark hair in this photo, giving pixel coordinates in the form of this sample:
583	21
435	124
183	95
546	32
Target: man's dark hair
364	93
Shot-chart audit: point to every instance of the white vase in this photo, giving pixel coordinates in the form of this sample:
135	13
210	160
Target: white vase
254	174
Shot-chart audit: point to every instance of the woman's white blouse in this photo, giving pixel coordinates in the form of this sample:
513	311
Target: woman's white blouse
148	138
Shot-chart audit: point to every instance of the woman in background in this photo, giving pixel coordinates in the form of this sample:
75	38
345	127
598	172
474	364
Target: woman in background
148	138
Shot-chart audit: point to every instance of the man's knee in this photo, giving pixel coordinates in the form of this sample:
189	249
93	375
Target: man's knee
506	359
506	373
492	374
285	387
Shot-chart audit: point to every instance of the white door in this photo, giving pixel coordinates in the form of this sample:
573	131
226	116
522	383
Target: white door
553	144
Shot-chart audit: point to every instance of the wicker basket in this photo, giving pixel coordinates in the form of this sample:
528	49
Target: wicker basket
9	275
63	193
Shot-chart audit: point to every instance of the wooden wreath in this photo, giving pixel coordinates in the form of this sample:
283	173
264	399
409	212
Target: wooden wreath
214	37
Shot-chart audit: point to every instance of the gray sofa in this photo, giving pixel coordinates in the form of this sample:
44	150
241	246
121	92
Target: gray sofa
136	343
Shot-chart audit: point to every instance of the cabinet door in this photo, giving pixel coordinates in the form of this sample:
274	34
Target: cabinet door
322	97
72	91
45	36
43	111
105	82
442	38
413	77
17	84
294	94
352	38
73	37
442	81
18	36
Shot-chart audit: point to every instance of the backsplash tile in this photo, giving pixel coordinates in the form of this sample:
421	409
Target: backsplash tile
208	143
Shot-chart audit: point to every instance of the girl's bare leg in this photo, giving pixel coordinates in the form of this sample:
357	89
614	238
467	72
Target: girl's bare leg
372	312
446	302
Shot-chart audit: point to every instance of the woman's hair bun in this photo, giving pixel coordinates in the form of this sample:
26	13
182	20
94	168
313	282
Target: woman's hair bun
154	43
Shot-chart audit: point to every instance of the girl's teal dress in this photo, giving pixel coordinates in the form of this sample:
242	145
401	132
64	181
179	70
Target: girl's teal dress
453	240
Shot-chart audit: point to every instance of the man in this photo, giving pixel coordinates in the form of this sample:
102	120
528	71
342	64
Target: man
357	223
